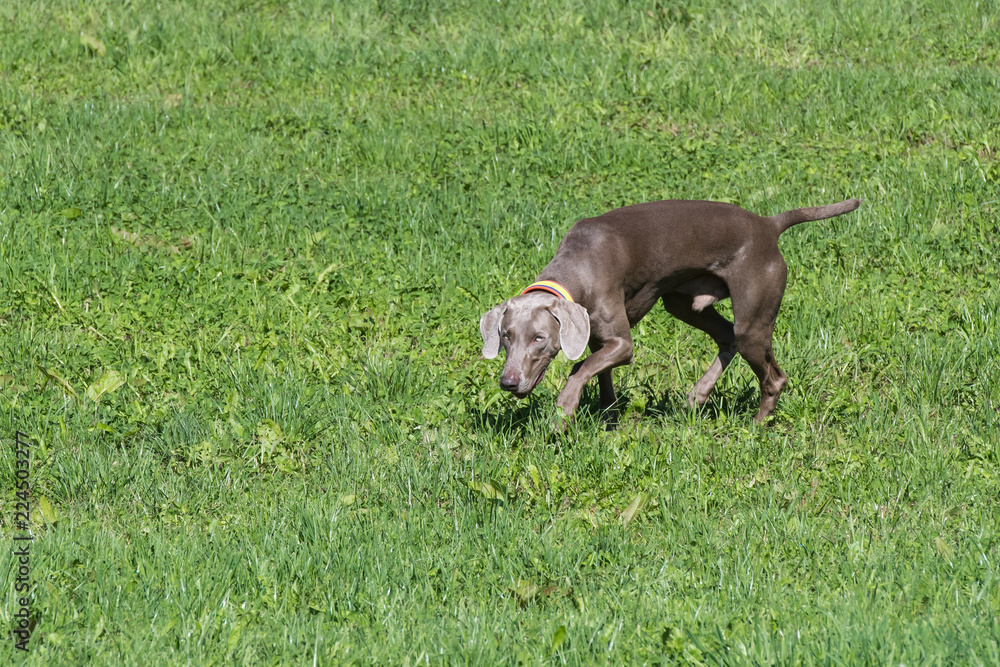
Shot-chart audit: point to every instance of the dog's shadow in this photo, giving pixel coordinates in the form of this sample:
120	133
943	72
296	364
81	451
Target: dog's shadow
672	405
538	417
516	422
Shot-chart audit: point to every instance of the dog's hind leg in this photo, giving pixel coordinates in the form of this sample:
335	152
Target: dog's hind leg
755	310
681	306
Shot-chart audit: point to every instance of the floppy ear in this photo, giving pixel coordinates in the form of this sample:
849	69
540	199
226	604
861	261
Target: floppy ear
574	327
489	328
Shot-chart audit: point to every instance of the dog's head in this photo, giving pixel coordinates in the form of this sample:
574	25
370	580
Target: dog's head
532	328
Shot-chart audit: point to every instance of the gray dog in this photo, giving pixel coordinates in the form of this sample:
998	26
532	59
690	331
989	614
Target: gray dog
609	271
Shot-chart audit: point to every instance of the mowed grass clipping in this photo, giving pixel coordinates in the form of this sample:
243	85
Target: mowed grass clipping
244	248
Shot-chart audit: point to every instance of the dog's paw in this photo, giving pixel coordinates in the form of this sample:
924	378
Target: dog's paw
561	421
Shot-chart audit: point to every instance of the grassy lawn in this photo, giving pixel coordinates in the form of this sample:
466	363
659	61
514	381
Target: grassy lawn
244	248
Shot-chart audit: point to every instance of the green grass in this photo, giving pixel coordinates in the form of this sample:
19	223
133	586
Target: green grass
267	231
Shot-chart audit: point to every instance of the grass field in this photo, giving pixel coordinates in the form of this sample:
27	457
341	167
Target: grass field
244	248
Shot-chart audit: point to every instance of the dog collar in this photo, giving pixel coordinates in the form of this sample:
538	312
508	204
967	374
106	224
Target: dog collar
550	286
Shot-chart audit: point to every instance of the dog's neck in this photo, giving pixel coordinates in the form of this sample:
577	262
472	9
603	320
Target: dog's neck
551	287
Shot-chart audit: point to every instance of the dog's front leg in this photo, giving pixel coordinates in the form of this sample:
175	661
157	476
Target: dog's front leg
614	352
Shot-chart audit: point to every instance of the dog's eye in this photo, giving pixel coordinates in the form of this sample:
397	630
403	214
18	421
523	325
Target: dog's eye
539	338
506	336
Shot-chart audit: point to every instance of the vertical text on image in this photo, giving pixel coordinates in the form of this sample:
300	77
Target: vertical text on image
22	542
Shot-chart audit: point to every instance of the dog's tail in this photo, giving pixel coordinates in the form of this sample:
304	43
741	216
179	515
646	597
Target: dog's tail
785	220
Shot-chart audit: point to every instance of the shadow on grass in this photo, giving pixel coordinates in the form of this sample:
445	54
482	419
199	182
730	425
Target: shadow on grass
514	421
537	416
673	405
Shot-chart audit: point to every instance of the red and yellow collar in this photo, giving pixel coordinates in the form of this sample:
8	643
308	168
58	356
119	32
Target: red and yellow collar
550	286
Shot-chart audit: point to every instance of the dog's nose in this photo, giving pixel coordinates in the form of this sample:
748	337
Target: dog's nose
509	382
